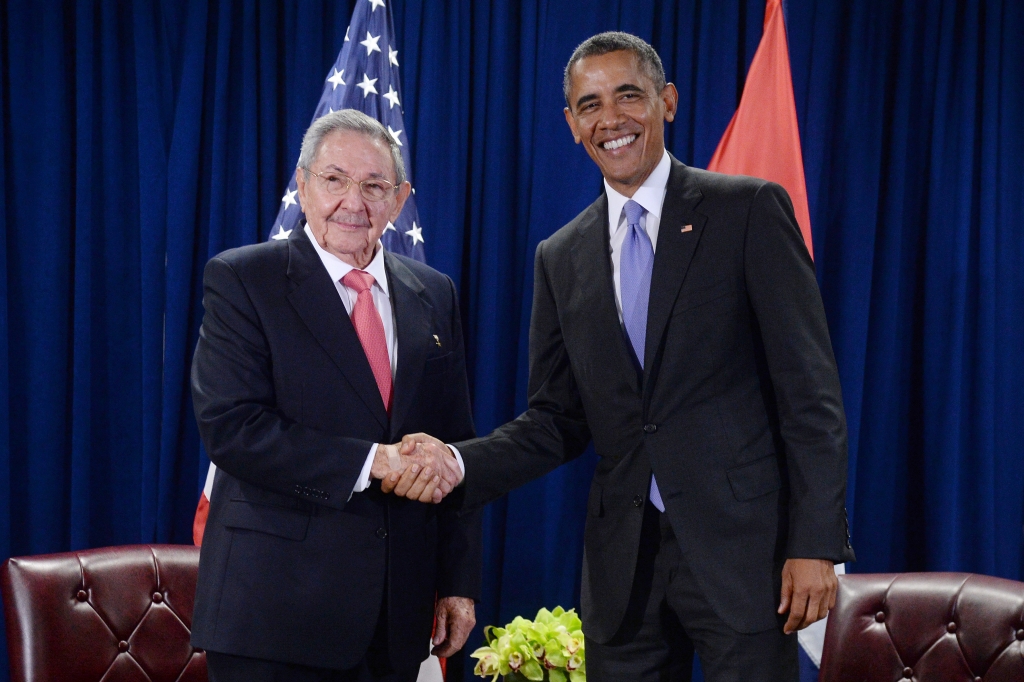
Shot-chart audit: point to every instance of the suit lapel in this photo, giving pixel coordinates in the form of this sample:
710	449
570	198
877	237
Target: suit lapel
412	319
678	234
315	298
594	265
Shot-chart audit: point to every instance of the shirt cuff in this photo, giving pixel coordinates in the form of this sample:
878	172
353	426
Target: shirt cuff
363	482
458	458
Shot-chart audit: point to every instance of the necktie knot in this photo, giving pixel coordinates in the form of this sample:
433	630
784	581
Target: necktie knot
358	280
633	211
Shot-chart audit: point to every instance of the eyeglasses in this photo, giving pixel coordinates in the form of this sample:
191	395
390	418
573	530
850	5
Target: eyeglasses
373	189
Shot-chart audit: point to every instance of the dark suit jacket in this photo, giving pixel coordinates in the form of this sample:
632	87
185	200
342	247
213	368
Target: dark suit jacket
738	411
292	569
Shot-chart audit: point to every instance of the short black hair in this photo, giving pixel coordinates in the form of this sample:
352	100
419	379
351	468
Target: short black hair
614	41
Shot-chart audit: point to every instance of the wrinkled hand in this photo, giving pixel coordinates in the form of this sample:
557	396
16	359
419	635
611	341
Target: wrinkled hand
809	589
386	460
456	617
428	470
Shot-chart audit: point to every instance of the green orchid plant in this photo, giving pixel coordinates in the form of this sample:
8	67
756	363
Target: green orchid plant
549	647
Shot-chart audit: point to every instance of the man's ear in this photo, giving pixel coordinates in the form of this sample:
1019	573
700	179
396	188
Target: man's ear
300	185
572	124
670	97
403	193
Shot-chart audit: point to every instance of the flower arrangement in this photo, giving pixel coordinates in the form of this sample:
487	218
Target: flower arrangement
549	647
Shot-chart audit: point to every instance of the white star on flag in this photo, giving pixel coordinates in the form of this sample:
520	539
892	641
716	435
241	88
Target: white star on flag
371	44
416	233
392	96
376	4
393	56
346	33
395	134
367	85
390	226
283	233
289	198
336	78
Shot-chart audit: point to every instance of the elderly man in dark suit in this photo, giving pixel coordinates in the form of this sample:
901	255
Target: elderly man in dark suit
677	324
314	352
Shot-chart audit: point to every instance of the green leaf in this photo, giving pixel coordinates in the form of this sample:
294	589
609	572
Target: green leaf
577	676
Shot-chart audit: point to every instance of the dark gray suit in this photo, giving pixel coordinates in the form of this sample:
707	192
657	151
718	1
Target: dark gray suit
738	411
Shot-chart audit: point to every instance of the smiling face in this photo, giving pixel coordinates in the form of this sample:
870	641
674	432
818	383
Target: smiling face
349	225
618	116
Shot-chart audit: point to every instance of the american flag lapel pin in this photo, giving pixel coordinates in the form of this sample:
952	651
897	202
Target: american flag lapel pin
687	228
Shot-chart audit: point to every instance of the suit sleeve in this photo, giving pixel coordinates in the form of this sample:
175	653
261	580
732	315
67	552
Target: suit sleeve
459	535
233	393
553	430
787	304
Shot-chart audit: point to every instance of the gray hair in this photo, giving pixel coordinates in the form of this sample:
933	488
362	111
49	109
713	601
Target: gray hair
348	120
614	41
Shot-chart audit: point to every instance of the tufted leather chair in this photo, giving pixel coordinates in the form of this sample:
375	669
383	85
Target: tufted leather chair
929	627
115	614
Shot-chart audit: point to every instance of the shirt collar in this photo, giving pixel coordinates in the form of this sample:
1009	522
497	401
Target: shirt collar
338	268
650	195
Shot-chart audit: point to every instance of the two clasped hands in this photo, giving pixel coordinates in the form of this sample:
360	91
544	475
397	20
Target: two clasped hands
420	467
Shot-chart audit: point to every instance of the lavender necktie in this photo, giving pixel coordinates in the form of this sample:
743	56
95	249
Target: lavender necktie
635	267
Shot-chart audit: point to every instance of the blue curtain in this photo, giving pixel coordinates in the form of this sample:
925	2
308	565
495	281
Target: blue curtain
139	139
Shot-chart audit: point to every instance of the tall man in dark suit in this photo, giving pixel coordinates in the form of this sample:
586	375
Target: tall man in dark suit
677	324
315	351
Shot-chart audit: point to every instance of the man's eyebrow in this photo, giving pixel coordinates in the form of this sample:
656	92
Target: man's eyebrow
629	87
583	100
625	87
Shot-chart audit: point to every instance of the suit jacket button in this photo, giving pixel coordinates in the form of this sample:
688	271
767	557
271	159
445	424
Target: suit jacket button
381	533
638	501
650	428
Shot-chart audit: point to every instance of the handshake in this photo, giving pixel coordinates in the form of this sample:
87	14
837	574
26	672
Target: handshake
420	468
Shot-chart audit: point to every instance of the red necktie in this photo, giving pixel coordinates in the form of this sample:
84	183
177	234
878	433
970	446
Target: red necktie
370	331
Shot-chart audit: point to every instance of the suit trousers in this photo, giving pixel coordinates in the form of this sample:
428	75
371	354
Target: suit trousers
668	619
373	668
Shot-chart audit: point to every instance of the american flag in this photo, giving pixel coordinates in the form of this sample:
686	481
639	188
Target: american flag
365	77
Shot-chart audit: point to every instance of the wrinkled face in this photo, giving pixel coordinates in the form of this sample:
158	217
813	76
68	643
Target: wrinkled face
349	225
616	113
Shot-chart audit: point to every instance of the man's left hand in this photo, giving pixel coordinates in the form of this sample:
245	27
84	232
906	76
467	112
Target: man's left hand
456	617
809	589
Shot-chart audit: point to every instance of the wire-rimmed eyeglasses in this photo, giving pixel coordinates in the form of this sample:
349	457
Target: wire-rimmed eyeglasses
372	189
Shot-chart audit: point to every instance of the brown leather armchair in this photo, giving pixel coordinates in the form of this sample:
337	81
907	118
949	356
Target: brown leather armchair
116	613
932	627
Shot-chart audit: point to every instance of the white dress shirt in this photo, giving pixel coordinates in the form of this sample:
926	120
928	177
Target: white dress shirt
650	195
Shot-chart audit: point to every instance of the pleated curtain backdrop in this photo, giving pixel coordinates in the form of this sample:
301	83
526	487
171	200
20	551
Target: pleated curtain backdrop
139	139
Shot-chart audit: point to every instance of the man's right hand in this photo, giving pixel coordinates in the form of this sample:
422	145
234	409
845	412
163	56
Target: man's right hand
423	469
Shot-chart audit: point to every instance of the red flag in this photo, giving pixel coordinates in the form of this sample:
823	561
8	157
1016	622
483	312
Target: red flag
203	508
763	139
